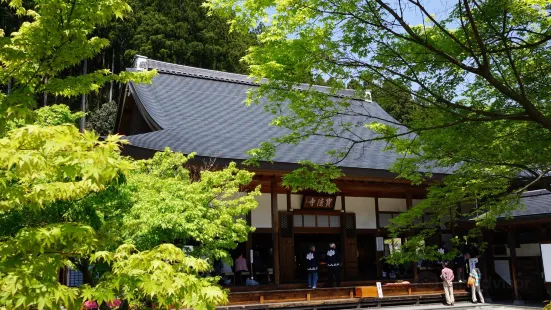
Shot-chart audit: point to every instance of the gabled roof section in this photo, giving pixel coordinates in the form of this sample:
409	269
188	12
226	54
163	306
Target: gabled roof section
536	203
533	204
203	111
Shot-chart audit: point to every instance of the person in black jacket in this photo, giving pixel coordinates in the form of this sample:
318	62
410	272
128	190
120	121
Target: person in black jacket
312	267
459	263
333	265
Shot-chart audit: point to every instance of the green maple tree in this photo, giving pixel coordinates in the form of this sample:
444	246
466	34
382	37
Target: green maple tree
474	71
68	199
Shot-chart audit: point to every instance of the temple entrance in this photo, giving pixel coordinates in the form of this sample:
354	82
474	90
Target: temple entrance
302	244
367	257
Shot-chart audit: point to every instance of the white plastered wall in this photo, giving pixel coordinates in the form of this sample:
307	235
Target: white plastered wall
364	208
525	250
261	217
338	204
281	202
296	201
391	205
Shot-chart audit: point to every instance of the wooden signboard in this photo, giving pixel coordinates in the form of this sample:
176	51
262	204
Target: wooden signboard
318	202
379	290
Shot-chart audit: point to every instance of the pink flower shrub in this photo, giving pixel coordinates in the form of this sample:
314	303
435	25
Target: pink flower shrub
114	303
90	304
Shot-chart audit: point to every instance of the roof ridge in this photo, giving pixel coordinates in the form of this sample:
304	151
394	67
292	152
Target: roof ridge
199	72
537	192
216	75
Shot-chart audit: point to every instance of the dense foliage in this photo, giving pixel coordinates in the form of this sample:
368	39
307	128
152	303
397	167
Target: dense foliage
125	228
477	73
102	120
177	31
69	200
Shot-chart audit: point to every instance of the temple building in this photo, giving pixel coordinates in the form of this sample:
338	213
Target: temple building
197	110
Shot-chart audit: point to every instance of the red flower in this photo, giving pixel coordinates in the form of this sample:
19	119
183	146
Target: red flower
114	303
90	304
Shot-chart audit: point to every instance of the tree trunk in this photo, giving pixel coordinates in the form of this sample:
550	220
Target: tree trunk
45	92
83	103
112	71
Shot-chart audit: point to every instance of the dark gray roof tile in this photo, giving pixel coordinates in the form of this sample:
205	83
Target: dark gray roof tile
536	202
203	111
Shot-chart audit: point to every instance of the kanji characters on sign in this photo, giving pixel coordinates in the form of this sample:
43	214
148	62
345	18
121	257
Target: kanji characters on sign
318	202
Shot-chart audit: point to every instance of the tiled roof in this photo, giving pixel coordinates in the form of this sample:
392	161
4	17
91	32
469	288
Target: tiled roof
203	111
534	203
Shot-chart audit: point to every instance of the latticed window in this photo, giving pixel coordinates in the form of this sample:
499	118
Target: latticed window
284	221
350	221
74	278
286	224
317	220
350	224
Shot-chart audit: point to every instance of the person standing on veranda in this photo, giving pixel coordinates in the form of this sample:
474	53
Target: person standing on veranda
240	267
459	263
333	265
312	267
447	278
475	288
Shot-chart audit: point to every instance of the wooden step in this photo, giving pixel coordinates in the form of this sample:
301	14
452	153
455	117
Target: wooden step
348	303
417	291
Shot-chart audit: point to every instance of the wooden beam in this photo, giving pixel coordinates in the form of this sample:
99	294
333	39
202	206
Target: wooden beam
513	254
275	230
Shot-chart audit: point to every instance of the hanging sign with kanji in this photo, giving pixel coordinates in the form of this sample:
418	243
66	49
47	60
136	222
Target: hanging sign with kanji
318	202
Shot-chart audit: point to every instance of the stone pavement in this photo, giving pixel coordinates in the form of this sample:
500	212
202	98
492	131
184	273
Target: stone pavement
463	305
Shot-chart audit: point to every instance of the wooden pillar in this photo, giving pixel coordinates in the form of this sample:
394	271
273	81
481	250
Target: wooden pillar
489	264
513	253
343	237
378	254
409	204
409	200
249	244
275	229
289	207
